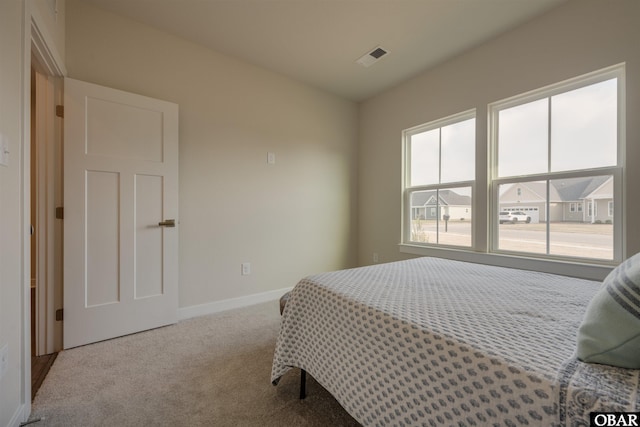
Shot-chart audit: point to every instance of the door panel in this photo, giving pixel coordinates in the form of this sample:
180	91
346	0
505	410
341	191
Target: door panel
120	182
148	242
102	261
123	131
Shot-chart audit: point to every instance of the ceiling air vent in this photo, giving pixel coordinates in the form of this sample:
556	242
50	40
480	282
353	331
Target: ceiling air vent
372	57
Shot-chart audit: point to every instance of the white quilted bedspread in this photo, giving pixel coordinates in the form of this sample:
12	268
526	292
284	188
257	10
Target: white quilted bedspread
436	342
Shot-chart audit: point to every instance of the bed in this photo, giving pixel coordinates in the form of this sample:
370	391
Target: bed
438	342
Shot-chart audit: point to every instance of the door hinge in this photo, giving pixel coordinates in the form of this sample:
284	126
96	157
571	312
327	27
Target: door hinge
60	314
60	212
60	110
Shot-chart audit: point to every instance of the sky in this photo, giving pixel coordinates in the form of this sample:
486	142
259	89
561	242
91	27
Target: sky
578	128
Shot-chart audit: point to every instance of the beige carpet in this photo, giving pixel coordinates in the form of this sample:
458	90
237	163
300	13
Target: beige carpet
209	371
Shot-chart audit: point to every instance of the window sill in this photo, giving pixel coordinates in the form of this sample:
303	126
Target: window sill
564	268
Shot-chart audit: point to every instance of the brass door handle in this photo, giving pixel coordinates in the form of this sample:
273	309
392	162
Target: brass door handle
167	223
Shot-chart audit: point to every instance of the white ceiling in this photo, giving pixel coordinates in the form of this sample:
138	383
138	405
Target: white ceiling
318	41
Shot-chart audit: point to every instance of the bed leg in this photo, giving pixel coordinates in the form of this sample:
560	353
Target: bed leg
303	383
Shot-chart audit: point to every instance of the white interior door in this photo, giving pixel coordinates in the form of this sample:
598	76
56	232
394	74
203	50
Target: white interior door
120	184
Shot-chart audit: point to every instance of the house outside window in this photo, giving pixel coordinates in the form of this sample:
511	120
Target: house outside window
439	175
554	150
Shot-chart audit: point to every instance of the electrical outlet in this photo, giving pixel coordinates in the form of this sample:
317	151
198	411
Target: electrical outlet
4	360
246	268
271	158
376	258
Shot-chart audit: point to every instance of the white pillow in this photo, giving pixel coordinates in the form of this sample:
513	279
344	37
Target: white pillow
610	331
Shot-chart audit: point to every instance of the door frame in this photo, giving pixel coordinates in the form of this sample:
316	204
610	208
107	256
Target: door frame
47	164
37	47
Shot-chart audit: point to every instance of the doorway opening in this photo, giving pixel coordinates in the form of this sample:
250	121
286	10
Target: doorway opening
46	230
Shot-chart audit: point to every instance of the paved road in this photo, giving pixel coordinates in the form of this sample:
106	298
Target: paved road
591	241
570	239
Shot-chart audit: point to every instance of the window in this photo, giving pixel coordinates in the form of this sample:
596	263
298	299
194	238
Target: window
555	150
439	164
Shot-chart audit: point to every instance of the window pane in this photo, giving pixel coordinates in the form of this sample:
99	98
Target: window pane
581	233
522	216
425	158
584	127
580	221
424	211
454	226
458	151
441	216
523	139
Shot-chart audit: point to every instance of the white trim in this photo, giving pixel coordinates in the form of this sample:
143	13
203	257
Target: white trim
597	76
407	190
616	171
583	270
25	222
37	44
440	123
43	48
18	416
185	313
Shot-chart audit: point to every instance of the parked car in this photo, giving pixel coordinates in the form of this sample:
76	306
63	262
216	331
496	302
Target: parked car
514	217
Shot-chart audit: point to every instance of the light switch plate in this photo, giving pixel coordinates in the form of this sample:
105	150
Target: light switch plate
246	268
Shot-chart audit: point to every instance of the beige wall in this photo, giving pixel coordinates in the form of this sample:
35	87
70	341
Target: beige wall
288	220
578	37
298	216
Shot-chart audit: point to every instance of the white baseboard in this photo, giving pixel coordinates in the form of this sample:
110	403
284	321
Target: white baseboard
19	416
229	304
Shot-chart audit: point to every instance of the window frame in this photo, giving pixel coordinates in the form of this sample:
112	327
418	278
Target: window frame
616	171
408	190
484	210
